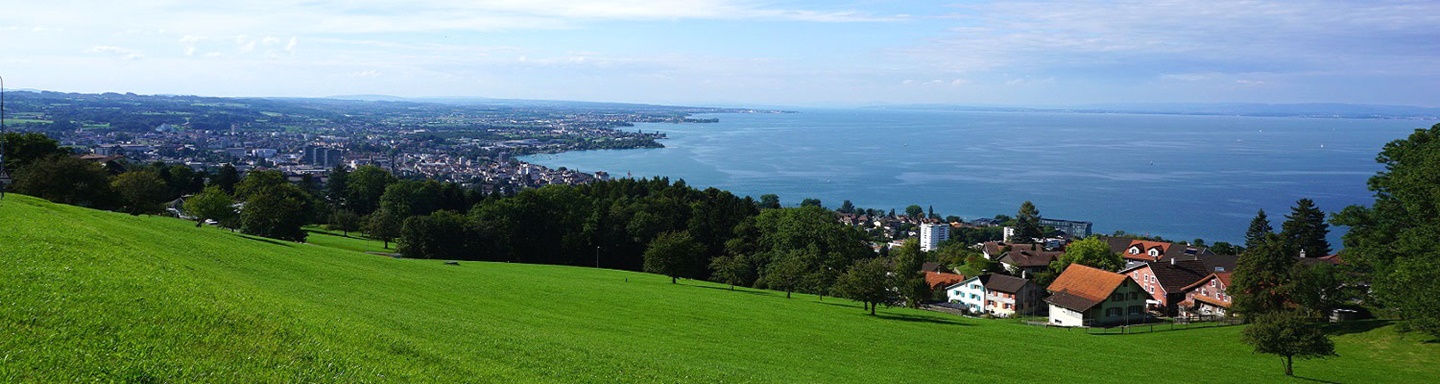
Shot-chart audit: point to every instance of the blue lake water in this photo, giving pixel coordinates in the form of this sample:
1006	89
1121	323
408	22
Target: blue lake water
1176	176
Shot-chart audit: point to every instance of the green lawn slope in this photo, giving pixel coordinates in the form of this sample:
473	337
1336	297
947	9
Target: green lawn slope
97	296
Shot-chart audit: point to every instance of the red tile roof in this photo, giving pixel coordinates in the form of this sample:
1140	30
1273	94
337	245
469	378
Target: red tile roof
1085	282
938	280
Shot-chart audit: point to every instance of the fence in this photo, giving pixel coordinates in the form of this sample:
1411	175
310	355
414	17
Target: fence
1177	324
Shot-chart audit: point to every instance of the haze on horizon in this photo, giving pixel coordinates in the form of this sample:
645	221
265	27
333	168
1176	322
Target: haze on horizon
695	52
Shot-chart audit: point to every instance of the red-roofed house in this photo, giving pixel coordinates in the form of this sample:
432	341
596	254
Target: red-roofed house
1087	296
1165	281
940	280
1207	297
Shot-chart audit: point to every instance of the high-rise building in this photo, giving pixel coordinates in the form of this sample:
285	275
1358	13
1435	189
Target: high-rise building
932	234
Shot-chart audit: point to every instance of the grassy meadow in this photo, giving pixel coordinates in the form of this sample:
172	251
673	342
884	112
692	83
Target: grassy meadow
100	296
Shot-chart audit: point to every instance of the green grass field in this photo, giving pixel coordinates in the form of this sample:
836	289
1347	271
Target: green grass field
100	296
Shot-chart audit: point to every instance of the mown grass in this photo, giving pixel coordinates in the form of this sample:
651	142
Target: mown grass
352	241
99	296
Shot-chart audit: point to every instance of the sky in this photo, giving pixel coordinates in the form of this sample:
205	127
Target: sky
736	52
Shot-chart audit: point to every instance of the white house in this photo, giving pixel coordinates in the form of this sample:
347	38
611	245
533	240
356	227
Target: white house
970	293
931	234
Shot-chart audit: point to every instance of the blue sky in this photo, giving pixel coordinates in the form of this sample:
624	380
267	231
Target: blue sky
724	52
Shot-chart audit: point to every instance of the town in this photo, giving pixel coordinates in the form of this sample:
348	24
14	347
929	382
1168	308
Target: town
474	143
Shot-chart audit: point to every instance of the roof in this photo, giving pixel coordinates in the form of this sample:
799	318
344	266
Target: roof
1029	259
1167	250
993	248
982	278
1091	284
1212	301
1007	284
939	279
1175	275
1223	276
931	266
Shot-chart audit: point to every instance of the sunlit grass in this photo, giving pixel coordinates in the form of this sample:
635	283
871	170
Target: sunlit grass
99	296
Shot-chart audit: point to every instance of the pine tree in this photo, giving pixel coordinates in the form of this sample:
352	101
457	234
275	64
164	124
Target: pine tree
1305	228
1027	223
1259	227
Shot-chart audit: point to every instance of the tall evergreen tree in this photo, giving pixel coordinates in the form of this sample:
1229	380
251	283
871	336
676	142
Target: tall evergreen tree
1305	227
336	186
1259	227
1027	223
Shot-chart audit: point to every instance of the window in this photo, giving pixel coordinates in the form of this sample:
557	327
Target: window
1150	289
1212	283
1134	295
1134	309
1154	252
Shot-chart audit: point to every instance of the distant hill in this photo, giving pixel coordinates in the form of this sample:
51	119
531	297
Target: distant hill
99	296
1315	110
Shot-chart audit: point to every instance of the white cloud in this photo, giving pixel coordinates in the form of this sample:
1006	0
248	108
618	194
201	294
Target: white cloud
189	42
290	47
124	53
363	74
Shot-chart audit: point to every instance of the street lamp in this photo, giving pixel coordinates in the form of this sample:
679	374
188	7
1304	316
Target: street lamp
597	256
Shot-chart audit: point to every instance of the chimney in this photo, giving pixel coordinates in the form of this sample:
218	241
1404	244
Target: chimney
1172	261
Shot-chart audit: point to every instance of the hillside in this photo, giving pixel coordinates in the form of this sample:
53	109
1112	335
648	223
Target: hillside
100	296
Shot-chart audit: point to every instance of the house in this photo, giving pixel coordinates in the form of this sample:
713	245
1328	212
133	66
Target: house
1208	297
938	280
1087	296
969	293
1028	262
1165	281
995	249
1007	296
1146	250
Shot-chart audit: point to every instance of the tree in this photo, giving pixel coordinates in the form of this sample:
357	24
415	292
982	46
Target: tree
1259	227
1261	276
258	181
1089	252
868	282
336	187
733	270
212	204
932	213
226	178
1027	223
364	188
914	211
141	192
277	212
65	180
810	202
1225	248
909	279
977	264
769	201
22	149
441	235
345	221
1305	228
384	225
673	254
786	271
1286	334
846	207
1317	288
1394	239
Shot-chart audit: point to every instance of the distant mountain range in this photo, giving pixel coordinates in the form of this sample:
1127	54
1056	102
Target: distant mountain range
1316	110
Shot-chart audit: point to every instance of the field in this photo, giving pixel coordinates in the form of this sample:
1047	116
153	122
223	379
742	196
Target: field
100	296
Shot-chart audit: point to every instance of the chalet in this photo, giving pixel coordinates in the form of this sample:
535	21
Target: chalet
1007	296
969	293
1207	297
1087	296
1165	281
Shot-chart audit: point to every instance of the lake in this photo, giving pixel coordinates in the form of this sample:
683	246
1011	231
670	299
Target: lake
1178	176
